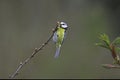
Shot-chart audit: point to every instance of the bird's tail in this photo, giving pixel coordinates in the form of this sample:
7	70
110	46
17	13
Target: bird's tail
57	51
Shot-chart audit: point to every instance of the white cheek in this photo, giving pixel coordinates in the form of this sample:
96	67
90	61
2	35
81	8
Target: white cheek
64	26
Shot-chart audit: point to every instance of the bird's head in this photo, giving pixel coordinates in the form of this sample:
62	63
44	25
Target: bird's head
63	25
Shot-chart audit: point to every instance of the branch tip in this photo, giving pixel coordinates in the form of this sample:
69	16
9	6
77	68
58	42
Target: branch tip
36	49
58	22
21	63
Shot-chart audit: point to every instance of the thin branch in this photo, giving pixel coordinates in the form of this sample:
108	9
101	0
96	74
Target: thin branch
33	54
114	54
109	66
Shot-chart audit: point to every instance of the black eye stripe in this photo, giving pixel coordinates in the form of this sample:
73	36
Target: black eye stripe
62	24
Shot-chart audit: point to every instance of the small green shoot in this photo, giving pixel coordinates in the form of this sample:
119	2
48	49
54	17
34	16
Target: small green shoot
105	43
111	46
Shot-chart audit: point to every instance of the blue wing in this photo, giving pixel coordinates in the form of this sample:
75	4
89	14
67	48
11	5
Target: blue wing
55	37
57	52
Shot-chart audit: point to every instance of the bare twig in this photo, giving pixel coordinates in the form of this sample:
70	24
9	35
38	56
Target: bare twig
109	66
33	54
115	57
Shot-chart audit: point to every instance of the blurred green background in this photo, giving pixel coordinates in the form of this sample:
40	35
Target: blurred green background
26	24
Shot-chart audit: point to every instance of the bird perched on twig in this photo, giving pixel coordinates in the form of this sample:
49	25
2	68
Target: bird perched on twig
59	36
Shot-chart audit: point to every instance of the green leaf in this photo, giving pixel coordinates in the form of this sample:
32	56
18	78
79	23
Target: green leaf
102	45
116	41
105	39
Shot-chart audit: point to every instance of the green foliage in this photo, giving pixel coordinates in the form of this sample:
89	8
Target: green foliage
102	45
112	46
105	41
105	38
116	41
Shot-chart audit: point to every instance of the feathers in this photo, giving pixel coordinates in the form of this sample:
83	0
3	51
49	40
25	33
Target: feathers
59	36
55	37
57	52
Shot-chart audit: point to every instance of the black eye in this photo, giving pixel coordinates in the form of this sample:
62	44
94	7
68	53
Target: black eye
63	24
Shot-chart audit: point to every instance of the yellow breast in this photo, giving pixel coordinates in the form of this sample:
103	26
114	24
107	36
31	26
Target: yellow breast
60	33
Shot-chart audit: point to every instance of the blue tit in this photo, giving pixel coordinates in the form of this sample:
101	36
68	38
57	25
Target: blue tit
59	36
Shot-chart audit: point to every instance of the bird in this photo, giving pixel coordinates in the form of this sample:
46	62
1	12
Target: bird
59	36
